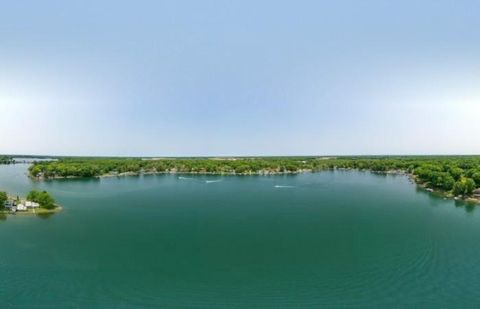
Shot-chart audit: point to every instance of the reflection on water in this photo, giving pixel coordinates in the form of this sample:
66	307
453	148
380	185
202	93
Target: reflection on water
470	207
438	199
44	215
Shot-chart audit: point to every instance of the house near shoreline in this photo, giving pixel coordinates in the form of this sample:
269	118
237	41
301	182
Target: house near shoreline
30	204
21	207
9	204
13	206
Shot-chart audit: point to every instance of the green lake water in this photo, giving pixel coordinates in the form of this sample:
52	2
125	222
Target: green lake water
329	239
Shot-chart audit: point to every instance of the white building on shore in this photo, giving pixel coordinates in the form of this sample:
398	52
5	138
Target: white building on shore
21	207
30	204
14	206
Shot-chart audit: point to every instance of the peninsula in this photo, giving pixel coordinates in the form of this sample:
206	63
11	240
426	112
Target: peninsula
36	202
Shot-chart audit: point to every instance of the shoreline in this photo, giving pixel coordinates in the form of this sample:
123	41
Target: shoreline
412	177
33	211
259	173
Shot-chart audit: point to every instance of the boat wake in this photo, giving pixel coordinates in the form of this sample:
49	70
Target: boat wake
212	181
279	186
185	178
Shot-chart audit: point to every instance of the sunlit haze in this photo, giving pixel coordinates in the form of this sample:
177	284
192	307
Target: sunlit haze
187	78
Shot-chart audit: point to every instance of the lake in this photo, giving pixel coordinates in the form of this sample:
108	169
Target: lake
329	239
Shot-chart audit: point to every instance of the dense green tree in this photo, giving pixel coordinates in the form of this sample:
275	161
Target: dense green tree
476	177
448	183
469	186
43	198
464	186
3	199
458	188
456	172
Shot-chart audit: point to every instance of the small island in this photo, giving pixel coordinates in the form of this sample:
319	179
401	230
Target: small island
36	202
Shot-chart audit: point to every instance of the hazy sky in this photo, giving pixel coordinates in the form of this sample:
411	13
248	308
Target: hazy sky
239	77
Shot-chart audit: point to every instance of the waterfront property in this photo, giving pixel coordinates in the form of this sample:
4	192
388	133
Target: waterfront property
30	204
15	205
21	207
35	202
9	204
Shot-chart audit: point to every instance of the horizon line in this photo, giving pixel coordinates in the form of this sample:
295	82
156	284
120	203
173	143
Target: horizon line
238	156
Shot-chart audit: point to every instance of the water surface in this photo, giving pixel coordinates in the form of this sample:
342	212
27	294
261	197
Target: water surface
330	239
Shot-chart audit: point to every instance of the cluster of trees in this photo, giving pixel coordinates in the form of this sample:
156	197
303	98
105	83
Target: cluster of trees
98	167
5	160
3	199
41	197
459	175
450	177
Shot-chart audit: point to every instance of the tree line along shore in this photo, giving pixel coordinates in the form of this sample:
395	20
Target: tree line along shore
6	160
453	176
